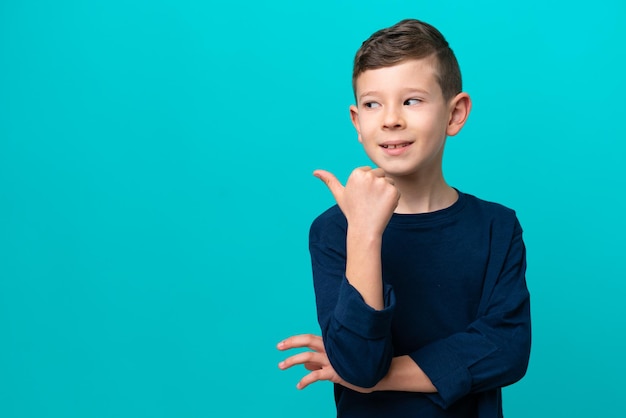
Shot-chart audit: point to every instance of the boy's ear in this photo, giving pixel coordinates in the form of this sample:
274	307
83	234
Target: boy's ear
460	107
354	117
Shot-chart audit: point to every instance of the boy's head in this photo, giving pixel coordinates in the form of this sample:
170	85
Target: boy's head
406	40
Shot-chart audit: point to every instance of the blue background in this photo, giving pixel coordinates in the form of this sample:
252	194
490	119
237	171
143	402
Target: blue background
156	194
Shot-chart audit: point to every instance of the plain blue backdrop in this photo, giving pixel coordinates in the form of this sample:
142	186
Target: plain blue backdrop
156	194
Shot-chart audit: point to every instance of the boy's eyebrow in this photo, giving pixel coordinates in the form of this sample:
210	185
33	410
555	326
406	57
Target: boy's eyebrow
365	94
368	93
417	90
404	91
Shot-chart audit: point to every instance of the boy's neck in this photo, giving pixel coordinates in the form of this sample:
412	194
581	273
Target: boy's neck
424	196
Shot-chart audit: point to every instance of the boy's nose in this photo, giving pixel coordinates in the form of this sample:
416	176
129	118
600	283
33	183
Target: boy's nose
393	118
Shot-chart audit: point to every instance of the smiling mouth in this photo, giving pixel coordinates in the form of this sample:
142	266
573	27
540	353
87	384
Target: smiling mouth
396	146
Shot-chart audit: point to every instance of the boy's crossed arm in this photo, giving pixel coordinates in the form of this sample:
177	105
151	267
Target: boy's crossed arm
367	201
404	374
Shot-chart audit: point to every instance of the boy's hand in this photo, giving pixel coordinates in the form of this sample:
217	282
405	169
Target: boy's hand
316	361
368	199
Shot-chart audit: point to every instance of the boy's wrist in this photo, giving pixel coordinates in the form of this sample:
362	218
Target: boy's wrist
363	265
364	235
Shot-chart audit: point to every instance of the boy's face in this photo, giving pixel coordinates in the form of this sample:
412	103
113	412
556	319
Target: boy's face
402	118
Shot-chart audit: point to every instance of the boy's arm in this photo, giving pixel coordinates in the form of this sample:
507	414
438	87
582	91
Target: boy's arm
315	360
404	374
494	350
354	308
367	201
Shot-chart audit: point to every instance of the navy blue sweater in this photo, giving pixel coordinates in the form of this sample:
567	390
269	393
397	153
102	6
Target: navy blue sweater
456	302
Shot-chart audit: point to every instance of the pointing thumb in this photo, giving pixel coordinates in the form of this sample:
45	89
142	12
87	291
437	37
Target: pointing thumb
334	185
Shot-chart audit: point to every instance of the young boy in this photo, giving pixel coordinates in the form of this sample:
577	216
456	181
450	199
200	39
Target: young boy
420	288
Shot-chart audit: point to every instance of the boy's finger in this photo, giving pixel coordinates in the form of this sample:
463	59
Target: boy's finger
314	342
312	377
302	358
334	185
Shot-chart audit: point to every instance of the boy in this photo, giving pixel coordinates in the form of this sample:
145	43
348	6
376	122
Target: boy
420	288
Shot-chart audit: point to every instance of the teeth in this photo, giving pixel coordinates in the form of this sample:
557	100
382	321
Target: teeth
395	146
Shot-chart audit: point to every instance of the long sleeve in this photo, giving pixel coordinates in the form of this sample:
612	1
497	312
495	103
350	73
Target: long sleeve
493	351
456	302
357	338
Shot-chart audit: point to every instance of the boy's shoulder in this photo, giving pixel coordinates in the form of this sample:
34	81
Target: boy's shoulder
332	219
489	212
486	205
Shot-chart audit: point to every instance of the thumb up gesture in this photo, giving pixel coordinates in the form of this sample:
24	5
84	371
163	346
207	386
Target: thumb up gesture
367	200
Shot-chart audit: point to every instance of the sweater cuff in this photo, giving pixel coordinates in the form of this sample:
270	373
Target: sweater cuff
354	314
446	371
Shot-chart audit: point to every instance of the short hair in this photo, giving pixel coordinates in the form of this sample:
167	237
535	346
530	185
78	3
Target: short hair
409	39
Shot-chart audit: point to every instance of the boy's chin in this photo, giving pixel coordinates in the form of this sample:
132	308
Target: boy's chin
412	172
394	168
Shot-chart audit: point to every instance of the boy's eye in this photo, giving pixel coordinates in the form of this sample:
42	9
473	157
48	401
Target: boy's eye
371	105
411	102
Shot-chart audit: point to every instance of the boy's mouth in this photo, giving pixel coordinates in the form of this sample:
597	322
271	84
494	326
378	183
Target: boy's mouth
395	145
